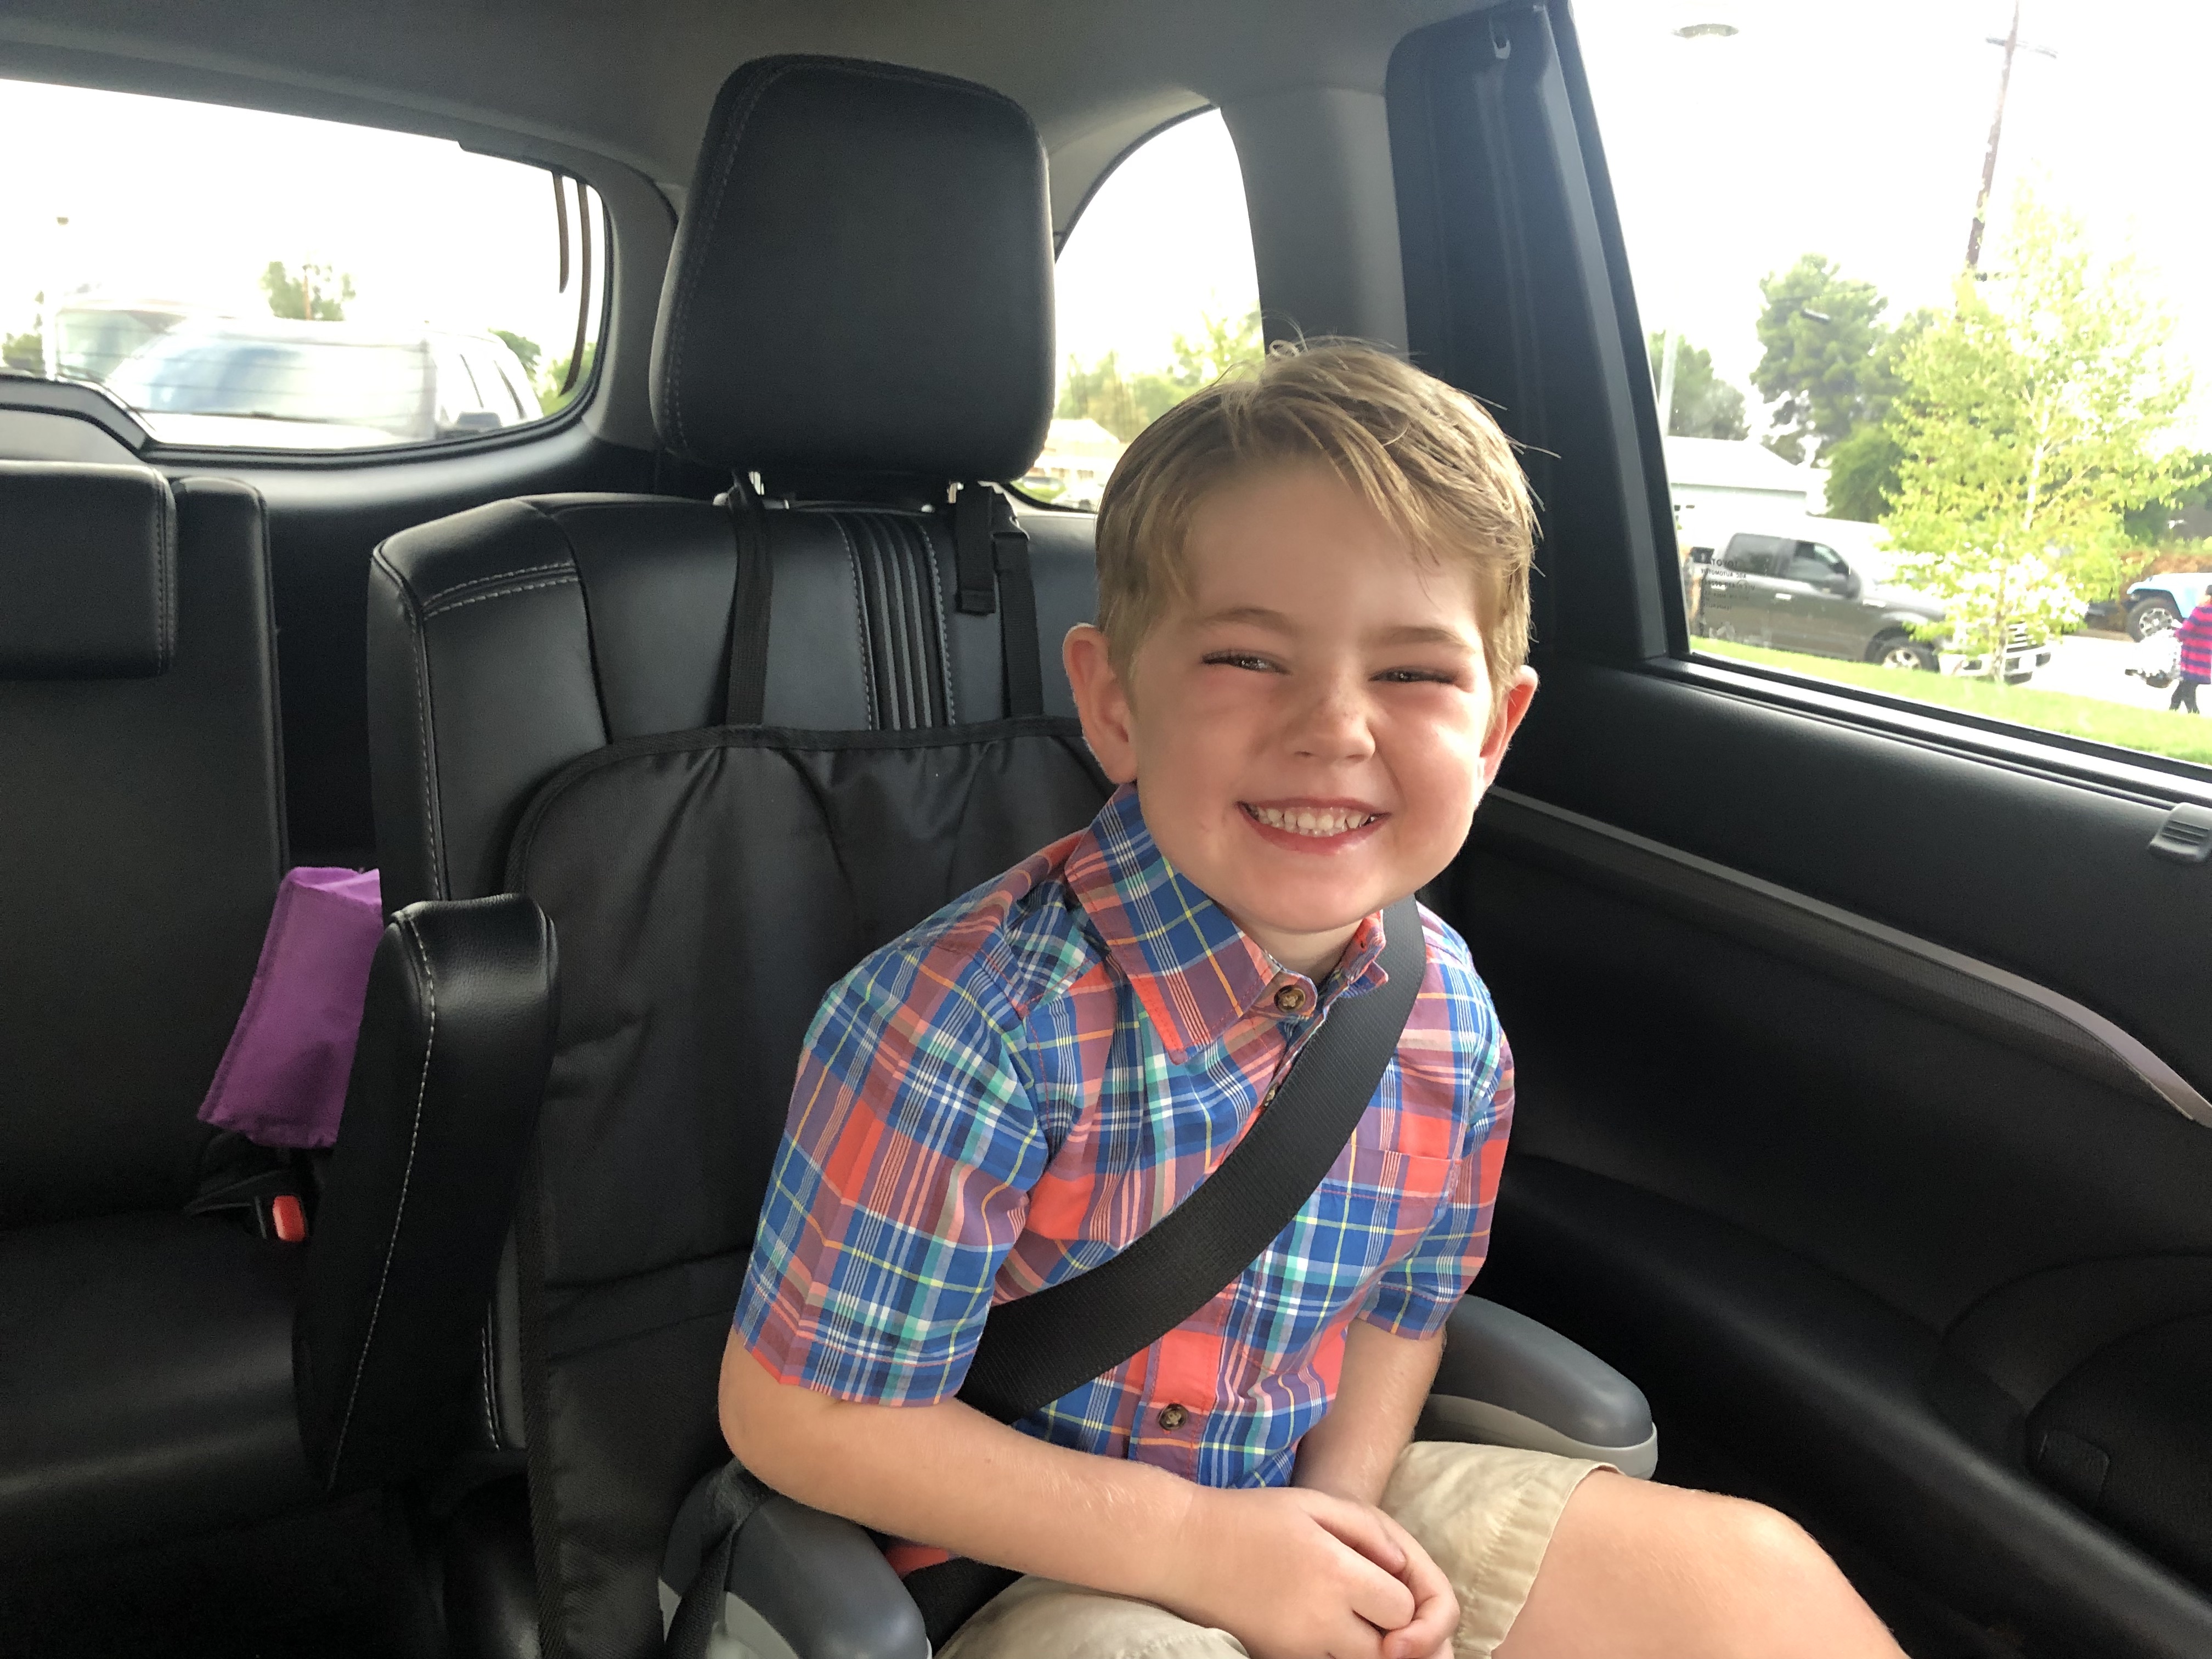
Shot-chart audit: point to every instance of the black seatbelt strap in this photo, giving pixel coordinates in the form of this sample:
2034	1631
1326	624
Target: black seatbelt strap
745	694
991	554
735	1496
1036	1348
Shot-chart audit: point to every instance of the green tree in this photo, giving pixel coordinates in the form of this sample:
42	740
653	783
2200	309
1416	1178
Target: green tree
551	395
526	350
1818	334
317	295
1705	406
1125	403
25	351
2030	422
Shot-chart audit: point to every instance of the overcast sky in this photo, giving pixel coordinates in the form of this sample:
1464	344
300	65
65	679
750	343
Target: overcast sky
1852	130
181	200
1857	130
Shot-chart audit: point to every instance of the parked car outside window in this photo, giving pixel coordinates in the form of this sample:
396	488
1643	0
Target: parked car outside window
271	383
1795	593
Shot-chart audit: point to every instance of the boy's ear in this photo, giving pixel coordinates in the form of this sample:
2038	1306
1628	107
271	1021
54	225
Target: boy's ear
1513	699
1103	700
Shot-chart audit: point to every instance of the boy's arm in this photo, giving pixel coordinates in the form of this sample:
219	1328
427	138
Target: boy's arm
1379	1397
1291	1573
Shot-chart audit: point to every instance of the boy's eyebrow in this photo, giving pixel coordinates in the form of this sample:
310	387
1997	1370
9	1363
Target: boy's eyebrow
1259	615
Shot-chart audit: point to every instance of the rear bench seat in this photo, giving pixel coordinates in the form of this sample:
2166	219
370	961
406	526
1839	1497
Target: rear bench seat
145	1355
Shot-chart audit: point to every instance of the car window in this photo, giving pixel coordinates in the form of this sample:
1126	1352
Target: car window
1959	345
355	287
1809	561
1754	555
1157	296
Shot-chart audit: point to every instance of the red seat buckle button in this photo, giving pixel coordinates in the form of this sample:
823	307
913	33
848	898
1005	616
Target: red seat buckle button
289	1220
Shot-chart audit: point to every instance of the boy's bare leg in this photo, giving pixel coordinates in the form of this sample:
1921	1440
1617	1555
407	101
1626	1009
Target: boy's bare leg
1636	1570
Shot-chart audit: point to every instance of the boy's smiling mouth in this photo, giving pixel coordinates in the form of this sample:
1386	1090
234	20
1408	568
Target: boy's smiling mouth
1311	820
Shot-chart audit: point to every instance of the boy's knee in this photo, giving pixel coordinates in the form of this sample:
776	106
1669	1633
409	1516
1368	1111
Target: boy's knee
1767	1545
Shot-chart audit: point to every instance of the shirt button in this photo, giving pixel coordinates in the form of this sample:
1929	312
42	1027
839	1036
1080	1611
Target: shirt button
1172	1417
1290	999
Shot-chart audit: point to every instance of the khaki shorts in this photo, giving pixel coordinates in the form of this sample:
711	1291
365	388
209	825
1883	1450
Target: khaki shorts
1484	1514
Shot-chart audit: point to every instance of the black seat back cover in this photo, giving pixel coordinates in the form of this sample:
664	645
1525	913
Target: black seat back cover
142	831
707	888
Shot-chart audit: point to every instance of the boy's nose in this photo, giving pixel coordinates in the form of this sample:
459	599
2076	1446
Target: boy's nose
1333	726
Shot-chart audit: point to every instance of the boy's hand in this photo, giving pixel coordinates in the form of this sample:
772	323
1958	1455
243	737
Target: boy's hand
1428	1634
1295	1574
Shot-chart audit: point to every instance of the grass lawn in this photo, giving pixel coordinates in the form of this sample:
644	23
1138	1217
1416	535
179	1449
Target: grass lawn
2154	731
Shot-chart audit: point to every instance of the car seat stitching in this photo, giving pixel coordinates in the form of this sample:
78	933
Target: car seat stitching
860	617
500	593
422	654
936	586
406	1178
444	593
165	643
484	1372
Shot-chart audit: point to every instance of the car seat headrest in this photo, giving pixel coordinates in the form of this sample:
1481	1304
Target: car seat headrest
87	571
862	280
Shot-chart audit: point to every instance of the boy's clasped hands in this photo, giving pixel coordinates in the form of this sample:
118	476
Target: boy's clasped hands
1295	1573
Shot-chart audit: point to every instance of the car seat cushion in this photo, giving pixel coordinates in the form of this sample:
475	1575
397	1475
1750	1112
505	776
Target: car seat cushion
146	1372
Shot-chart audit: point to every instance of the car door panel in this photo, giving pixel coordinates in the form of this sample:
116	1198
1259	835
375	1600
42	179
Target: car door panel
1827	1150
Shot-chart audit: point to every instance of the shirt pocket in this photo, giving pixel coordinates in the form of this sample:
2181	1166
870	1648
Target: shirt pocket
1382	1200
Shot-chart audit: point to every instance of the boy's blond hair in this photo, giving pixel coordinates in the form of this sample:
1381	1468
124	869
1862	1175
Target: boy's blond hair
1425	456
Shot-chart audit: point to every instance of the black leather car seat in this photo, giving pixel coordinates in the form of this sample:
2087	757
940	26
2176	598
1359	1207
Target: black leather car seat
858	314
145	1358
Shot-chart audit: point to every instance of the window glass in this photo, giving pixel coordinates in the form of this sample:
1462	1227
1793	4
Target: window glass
279	282
1157	297
1944	335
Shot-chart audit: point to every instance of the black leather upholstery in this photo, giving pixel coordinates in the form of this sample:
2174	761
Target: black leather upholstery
141	840
87	571
506	641
862	280
443	1099
145	1381
145	1358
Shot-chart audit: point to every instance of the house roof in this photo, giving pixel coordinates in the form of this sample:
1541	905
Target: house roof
1735	464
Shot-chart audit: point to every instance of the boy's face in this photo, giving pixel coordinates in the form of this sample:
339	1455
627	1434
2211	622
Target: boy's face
1310	731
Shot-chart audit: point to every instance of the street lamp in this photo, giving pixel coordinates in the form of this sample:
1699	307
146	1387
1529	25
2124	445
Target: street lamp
1711	23
2013	46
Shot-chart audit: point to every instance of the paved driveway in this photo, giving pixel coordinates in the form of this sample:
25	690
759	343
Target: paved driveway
2093	666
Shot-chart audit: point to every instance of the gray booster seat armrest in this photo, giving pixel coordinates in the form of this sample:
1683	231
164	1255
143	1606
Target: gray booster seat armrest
801	1585
1508	1381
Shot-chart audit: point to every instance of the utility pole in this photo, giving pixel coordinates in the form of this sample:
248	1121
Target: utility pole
1666	381
2013	47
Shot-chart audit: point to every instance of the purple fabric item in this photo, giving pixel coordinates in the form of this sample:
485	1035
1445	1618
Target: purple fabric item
282	1080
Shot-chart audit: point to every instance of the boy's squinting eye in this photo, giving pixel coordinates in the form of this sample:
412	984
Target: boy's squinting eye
1419	676
1251	659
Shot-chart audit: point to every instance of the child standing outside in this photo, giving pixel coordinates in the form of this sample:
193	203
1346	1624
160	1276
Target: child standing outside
2194	641
1309	659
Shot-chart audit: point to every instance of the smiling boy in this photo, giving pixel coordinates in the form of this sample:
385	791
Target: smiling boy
1313	611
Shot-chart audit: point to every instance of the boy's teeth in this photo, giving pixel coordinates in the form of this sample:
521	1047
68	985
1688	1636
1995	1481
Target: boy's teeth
1310	820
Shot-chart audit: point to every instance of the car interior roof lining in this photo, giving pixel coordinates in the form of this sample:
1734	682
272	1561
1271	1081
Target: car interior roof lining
572	79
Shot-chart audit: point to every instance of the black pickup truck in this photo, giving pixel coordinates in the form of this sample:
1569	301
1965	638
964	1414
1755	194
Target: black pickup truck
1795	594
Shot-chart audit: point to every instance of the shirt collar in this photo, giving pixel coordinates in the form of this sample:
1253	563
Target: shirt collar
1194	970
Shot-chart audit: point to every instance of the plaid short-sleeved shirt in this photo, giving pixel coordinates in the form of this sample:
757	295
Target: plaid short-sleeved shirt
1017	1088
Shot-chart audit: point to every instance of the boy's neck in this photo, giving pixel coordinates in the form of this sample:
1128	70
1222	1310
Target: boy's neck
1313	954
